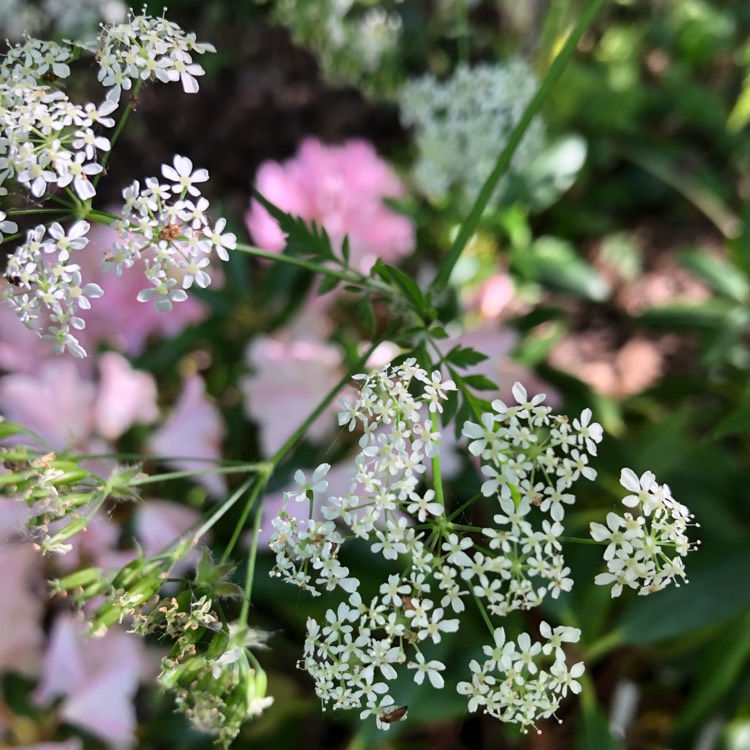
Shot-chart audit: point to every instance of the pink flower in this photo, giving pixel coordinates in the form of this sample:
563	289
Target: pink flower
289	379
21	610
21	350
340	188
194	430
68	410
96	677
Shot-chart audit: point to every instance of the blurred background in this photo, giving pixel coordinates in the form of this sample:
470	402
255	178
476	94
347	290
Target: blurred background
610	270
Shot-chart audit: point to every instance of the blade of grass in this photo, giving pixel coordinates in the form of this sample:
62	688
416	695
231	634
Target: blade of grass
440	282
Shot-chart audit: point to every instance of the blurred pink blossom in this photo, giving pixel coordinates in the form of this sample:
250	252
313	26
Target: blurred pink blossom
69	410
289	379
494	296
340	188
21	350
97	677
194	430
72	744
21	582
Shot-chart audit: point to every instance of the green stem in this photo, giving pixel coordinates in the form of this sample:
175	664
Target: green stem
308	265
251	565
223	509
469	224
251	500
437	478
580	540
483	612
33	211
602	646
243	468
462	31
129	107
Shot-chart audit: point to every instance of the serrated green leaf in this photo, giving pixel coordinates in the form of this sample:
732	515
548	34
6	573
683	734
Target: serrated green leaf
479	383
465	356
300	238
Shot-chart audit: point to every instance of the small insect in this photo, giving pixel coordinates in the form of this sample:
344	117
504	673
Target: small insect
169	233
13	279
394	715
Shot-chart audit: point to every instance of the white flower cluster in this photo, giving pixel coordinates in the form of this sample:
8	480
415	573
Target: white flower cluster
510	684
167	226
351	38
363	644
46	139
645	551
41	278
531	459
463	123
19	17
148	48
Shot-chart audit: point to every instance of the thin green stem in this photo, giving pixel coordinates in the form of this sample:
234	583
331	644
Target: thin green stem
223	509
580	540
308	265
129	107
602	646
244	468
240	525
462	31
34	211
483	612
471	222
251	565
437	478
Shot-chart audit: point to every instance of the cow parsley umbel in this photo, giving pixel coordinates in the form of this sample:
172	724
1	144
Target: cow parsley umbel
57	149
438	568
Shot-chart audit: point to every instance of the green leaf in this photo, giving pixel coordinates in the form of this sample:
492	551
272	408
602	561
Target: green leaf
737	421
593	730
720	275
740	114
327	284
300	238
714	313
465	356
554	262
479	383
11	428
411	292
722	666
366	313
715	593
